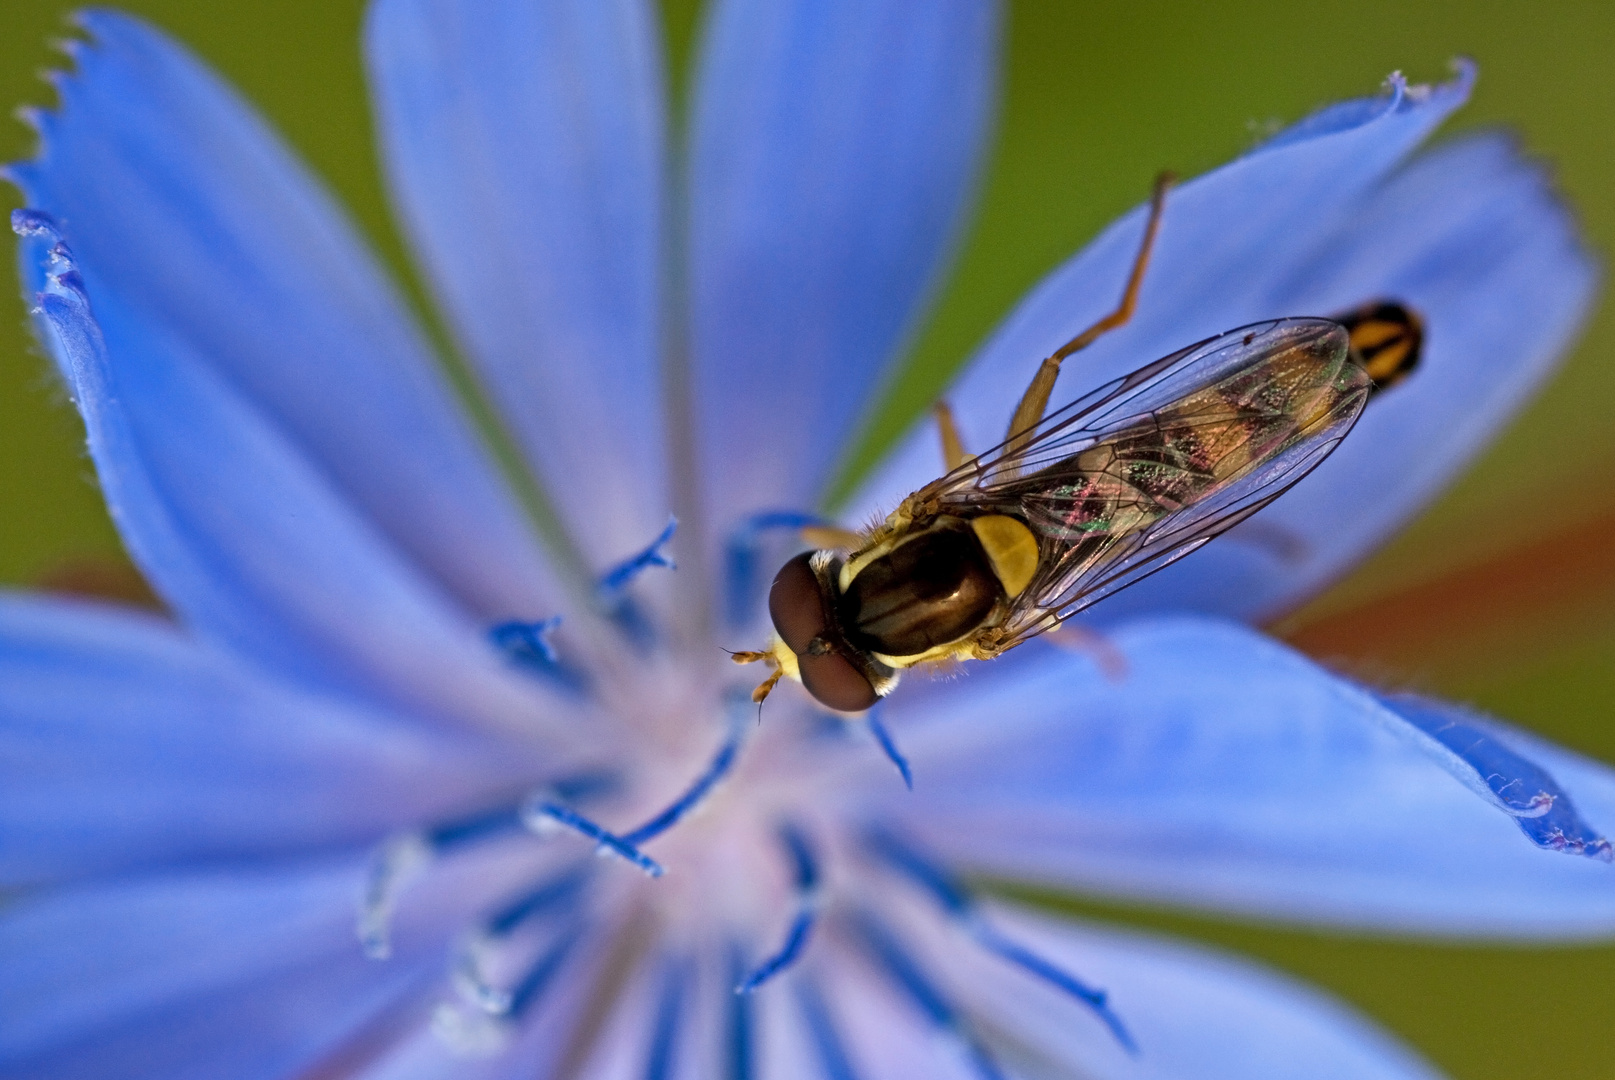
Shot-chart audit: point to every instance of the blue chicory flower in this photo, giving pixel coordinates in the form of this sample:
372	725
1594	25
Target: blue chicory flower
365	712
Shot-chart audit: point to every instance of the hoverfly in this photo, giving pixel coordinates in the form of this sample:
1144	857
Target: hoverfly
1079	503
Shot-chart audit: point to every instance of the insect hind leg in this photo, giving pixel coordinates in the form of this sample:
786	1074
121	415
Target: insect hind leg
1036	399
953	447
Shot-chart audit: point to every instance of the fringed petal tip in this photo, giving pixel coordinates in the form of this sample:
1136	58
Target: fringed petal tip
1230	241
48	264
28	223
200	232
1396	97
1229	772
1477	752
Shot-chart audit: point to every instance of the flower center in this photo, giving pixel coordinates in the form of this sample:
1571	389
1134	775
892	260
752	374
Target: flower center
689	858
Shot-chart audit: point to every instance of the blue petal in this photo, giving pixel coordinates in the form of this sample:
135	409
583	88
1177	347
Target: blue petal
1225	771
113	959
833	153
124	743
524	146
196	225
1482	755
94	958
288	1023
1194	1012
1472	235
1227	241
247	540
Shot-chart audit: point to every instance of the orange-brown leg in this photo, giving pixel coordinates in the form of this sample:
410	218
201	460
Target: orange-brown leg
1036	398
953	447
1112	663
768	684
832	538
766	687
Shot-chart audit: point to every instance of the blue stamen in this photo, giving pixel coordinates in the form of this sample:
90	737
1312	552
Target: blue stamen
664	1035
1024	958
527	645
612	599
721	763
921	871
540	812
613	581
399	858
905	972
585	785
530	990
807	911
468	830
741	1041
888	746
796	940
821	1026
961	907
554	893
527	641
469	977
742	589
803	860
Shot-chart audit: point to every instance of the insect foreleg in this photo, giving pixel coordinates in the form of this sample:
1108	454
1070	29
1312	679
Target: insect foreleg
1036	398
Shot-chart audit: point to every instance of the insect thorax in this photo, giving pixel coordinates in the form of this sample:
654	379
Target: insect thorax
934	588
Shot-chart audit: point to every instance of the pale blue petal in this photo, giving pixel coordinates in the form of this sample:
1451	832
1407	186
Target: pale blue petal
1194	1012
833	154
92	958
246	539
162	952
1473	236
1225	771
1227	240
196	225
124	743
524	147
286	1024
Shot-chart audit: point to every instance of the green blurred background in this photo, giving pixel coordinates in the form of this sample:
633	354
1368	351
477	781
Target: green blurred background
1099	96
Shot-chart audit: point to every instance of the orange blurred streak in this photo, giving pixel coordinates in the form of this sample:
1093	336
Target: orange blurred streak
100	579
1525	599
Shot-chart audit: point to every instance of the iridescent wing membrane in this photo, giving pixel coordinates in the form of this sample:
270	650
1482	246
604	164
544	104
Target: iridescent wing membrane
1149	467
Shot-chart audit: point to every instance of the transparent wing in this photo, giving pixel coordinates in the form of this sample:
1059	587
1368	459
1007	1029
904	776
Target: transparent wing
1148	468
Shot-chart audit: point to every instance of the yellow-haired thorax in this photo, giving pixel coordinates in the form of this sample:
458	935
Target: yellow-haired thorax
963	649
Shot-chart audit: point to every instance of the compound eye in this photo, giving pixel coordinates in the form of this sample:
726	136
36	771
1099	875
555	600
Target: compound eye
795	605
837	685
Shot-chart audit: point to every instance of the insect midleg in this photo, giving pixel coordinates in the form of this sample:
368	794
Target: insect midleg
953	447
1036	398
